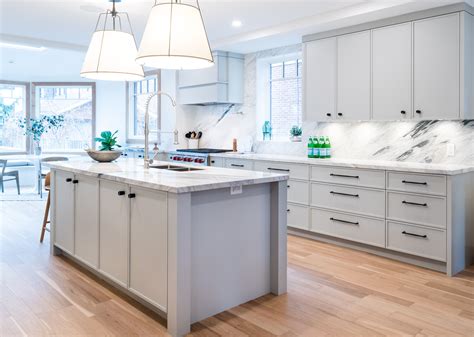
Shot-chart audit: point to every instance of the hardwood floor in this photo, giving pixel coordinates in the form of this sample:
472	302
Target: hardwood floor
332	291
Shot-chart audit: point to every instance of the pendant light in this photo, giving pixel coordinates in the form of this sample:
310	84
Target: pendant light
175	37
112	50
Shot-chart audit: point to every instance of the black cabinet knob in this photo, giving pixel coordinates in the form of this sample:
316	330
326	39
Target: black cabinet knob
68	180
121	192
329	115
339	113
288	210
75	181
403	112
131	195
418	111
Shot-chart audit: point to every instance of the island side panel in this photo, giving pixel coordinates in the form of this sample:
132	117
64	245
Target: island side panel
231	254
52	215
278	245
179	264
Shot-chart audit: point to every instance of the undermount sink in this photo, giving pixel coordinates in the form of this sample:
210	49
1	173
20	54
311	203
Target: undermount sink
176	168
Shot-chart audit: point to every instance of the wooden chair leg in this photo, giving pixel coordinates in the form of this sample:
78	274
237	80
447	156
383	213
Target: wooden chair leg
45	219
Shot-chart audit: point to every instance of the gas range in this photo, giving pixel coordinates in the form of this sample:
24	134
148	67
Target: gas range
194	156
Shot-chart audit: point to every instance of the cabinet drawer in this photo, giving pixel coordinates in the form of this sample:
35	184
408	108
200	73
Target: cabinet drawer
349	199
417	183
348	176
351	227
298	216
421	209
217	162
298	191
430	243
240	164
295	171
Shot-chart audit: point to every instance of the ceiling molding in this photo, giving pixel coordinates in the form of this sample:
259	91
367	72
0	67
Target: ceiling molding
28	41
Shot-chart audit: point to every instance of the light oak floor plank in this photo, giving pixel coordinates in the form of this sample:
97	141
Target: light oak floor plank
332	291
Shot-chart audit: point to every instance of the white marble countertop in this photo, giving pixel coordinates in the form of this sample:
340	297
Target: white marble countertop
131	171
448	169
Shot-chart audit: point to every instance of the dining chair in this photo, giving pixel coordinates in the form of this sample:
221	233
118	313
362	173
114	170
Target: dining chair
8	175
47	186
42	174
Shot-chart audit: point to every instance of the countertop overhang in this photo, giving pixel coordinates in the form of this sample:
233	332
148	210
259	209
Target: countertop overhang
131	171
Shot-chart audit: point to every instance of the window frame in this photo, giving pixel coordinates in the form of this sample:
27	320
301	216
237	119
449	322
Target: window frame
263	102
34	100
130	110
28	142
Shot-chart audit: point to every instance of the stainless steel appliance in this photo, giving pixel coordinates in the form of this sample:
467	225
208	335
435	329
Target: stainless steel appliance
194	156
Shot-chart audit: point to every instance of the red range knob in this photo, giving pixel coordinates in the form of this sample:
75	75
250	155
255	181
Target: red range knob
201	161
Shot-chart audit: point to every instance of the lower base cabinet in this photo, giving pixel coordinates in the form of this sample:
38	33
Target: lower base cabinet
148	245
356	228
64	211
297	216
114	236
86	219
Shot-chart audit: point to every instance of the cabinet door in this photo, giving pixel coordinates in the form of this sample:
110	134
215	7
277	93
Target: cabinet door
64	211
148	245
87	220
320	79
391	72
436	67
353	76
113	218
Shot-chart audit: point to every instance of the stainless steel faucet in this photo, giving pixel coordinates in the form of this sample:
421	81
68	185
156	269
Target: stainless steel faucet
146	157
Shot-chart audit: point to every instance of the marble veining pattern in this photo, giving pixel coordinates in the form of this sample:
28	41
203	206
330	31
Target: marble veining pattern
131	171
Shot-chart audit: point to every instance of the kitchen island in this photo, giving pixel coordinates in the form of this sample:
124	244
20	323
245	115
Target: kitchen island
188	242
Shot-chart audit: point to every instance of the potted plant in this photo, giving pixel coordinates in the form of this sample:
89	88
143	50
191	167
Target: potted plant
106	152
37	127
295	133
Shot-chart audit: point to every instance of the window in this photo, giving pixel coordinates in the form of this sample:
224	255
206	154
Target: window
138	94
285	97
76	103
13	106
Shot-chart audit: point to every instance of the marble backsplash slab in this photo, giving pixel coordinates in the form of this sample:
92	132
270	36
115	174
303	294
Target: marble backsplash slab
420	142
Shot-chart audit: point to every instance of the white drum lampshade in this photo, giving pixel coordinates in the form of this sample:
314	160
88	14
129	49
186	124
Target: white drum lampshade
112	52
175	38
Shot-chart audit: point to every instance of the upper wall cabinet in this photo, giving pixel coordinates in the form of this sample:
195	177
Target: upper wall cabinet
320	79
436	67
416	66
353	76
221	83
391	72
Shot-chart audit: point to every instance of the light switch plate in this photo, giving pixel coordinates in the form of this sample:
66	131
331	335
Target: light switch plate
451	149
236	190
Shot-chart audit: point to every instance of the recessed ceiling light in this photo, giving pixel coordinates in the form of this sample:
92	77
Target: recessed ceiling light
236	23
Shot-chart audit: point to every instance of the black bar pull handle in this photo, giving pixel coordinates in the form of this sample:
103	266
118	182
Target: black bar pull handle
121	192
131	195
414	203
343	176
414	182
345	194
344	221
75	181
68	180
413	234
277	169
236	165
418	111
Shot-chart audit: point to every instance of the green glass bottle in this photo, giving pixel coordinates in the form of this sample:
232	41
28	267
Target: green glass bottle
328	147
317	147
310	147
322	150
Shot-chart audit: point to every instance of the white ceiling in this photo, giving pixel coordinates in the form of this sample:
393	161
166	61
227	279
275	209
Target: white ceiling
62	25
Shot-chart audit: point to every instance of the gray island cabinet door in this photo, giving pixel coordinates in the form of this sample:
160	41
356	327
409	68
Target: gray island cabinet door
113	215
148	245
87	220
64	211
